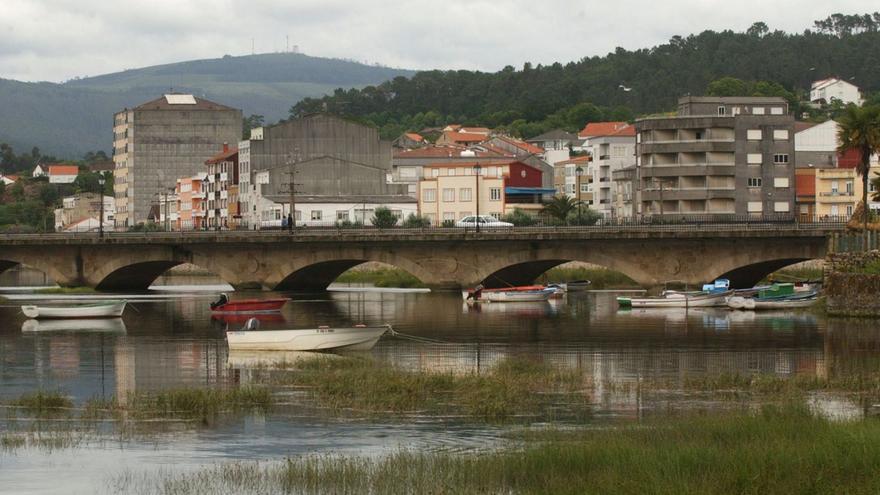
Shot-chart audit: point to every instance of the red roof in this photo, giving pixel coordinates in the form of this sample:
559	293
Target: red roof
597	129
464	137
482	164
576	160
223	156
529	148
476	130
802	126
414	136
63	170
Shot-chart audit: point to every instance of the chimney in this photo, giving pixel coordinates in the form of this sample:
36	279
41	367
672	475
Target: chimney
225	147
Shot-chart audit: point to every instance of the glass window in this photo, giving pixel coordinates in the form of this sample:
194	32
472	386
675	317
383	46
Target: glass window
316	215
448	195
448	215
758	110
495	194
776	111
754	134
754	158
755	182
429	195
780	158
780	134
780	182
755	206
722	110
465	194
342	215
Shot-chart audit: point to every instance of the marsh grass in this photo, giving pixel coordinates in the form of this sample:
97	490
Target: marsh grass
600	278
44	402
776	450
194	403
381	277
510	388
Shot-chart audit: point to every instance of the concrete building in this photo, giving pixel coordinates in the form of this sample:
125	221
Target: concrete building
159	141
719	155
82	213
452	191
826	90
556	139
622	192
329	211
567	181
612	146
222	190
407	165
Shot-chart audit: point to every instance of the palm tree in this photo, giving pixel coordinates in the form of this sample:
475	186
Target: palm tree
859	130
560	206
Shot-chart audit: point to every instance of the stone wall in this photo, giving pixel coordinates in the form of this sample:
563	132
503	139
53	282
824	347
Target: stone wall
850	292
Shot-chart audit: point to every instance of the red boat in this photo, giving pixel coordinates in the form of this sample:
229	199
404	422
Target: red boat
224	305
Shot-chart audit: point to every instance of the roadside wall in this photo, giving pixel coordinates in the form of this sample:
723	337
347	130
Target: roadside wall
850	291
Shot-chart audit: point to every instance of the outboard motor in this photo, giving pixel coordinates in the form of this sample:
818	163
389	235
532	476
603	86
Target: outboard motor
252	324
223	300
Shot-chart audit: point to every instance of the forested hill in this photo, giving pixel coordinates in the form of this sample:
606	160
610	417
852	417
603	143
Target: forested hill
619	85
72	118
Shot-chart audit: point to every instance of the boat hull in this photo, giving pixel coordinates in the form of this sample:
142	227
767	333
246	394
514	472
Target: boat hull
245	306
310	339
112	310
676	301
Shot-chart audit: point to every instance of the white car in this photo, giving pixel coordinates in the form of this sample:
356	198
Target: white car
484	220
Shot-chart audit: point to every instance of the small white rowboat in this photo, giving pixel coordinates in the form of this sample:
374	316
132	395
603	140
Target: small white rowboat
360	338
677	300
111	309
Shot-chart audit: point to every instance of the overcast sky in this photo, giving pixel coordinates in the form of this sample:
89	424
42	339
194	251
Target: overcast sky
55	40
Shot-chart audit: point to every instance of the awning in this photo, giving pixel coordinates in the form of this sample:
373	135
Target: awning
529	190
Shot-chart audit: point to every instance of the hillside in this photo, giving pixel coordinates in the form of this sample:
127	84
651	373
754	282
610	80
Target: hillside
72	118
622	84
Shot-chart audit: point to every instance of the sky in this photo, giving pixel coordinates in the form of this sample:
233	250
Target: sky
57	40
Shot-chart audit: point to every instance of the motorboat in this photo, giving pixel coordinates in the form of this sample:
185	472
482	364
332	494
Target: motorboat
323	338
676	300
224	305
770	300
104	309
523	293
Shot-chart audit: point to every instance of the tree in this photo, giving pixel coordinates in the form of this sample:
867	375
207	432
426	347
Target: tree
859	131
583	216
520	218
383	218
251	122
560	206
875	184
758	30
2	191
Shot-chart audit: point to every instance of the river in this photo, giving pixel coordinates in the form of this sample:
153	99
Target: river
169	339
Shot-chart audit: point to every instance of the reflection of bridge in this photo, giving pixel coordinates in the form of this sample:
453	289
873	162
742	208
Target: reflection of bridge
441	258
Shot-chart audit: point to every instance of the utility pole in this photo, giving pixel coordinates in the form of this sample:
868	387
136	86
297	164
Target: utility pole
292	159
166	211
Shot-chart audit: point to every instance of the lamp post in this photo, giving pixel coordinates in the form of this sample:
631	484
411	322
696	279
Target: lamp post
101	199
579	172
477	170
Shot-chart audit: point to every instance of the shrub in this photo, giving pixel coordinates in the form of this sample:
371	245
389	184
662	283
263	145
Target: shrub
448	224
583	216
383	218
348	224
414	221
520	218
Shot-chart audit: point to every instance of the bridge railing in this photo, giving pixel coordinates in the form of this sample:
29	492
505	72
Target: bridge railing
668	223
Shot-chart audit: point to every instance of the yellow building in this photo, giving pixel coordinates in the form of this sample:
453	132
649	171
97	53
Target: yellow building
839	191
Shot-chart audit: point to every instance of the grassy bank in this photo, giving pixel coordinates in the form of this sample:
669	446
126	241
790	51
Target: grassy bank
794	275
381	277
510	388
601	278
774	451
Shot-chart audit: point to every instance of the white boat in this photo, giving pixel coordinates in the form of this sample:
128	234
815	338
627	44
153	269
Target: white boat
106	309
529	293
357	338
84	325
677	300
781	303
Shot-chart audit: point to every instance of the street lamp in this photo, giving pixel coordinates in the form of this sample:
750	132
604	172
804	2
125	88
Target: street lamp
101	199
579	172
477	170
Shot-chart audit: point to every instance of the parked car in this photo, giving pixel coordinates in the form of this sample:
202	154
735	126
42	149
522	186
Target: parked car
484	220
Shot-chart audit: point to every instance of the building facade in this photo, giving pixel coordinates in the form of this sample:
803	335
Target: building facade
191	203
719	155
161	140
612	146
82	213
833	88
330	211
221	189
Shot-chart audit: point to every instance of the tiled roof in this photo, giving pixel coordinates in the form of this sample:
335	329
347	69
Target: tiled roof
575	160
529	148
414	136
223	156
802	126
464	137
602	129
161	103
63	170
470	164
475	130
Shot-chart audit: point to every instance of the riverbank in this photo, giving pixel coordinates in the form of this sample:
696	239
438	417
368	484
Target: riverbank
775	450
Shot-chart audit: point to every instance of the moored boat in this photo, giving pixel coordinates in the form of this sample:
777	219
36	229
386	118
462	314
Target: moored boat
224	305
676	300
357	338
524	293
576	285
104	309
78	325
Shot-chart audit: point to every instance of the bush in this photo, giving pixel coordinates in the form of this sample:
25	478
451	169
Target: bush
348	224
584	216
520	218
448	224
145	227
414	221
383	218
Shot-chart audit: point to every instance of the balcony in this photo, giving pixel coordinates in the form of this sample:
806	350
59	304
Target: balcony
689	169
836	197
684	194
695	146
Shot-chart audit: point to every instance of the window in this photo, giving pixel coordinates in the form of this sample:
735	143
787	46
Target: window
448	215
758	110
448	195
585	188
570	188
699	135
465	194
754	158
849	187
397	214
342	215
495	215
849	210
722	111
429	195
618	151
316	215
834	187
780	182
495	194
407	172
435	172
755	207
835	210
780	206
755	182
754	135
780	158
780	135
776	111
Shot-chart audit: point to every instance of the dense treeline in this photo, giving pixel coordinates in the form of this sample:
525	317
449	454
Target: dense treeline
619	85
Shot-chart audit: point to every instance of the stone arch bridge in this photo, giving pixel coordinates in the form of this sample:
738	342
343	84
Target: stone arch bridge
441	258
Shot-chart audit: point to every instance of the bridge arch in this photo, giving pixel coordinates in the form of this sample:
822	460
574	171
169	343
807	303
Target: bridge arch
51	270
750	275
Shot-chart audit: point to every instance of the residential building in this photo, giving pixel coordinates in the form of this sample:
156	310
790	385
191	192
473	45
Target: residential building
524	152
8	179
556	139
826	90
572	178
328	211
452	191
815	145
622	192
82	212
39	171
62	174
407	165
161	140
409	140
460	138
221	189
718	155
191	203
612	146
805	192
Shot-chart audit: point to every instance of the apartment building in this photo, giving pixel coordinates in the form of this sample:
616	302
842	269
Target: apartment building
82	213
571	178
191	202
221	189
161	140
718	155
612	146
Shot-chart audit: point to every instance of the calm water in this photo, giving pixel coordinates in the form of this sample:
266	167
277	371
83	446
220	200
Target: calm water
169	339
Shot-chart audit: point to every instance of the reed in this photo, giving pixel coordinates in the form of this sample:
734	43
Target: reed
43	402
776	450
194	403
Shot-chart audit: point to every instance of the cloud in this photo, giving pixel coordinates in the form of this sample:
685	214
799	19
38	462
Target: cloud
58	39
